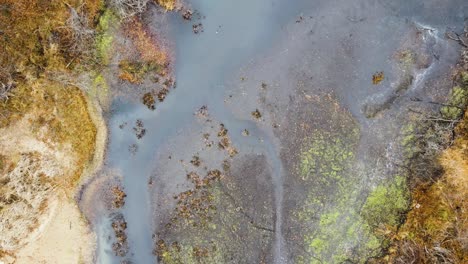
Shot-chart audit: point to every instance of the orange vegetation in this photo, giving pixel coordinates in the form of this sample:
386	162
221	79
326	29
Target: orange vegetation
33	33
377	78
147	45
167	4
436	229
152	58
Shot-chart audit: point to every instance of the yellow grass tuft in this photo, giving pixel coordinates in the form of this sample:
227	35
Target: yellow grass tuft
436	229
48	137
152	58
61	111
167	4
33	32
148	47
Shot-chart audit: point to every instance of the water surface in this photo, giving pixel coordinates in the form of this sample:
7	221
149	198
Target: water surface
333	46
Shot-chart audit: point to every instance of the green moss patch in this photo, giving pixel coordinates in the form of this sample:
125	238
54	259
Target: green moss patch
339	224
456	103
387	203
325	158
107	23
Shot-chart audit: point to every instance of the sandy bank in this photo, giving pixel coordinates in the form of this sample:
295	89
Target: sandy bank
63	225
57	242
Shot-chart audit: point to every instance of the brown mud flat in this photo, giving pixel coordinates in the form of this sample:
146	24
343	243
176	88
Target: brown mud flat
224	216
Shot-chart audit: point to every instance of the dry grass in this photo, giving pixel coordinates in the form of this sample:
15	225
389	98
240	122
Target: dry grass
24	194
35	35
47	138
151	57
38	38
146	44
167	4
61	111
136	71
436	229
128	8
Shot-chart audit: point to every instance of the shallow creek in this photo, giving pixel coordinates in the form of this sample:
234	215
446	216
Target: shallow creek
335	46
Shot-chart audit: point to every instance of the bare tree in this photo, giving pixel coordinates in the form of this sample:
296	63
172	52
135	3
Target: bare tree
79	35
128	8
6	84
24	195
5	90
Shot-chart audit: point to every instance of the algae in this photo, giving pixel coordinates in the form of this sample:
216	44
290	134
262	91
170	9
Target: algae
344	234
108	21
457	101
406	58
334	227
327	161
324	157
100	89
387	203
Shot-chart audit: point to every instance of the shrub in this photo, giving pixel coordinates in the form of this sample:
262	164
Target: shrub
128	8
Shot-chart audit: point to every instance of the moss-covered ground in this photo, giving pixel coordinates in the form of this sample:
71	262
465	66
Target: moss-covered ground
340	216
335	228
